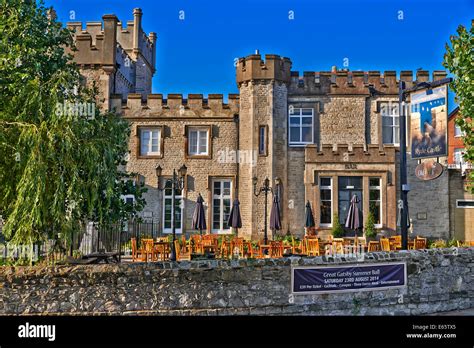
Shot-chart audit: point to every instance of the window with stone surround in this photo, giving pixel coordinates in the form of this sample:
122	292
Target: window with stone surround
300	128
325	194
221	204
168	208
198	141
375	200
390	123
150	141
262	140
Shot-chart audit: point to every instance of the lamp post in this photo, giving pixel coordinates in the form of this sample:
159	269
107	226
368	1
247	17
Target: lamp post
265	189
177	183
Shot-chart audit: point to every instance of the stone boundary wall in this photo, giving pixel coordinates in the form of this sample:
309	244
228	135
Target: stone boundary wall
438	280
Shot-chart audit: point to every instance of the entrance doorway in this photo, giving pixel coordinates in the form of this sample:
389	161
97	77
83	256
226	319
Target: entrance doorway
348	186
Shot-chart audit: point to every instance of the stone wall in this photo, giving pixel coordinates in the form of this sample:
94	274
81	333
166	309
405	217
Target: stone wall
438	280
428	203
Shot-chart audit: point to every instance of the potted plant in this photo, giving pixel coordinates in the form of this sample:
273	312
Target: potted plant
337	229
369	228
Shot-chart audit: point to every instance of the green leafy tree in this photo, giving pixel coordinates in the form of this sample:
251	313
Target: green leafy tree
337	229
369	227
59	163
459	60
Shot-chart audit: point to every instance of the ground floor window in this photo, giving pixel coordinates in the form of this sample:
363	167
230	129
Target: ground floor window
375	200
168	208
325	194
221	204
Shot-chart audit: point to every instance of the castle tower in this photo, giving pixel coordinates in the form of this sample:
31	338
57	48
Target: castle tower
119	60
263	135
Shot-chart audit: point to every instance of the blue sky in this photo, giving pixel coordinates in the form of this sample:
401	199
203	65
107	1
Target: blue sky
196	55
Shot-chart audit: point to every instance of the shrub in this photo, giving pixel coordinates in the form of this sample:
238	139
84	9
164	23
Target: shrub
437	244
337	229
370	231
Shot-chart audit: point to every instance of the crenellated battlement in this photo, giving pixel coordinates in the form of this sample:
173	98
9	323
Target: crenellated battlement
94	40
175	106
355	82
273	67
350	153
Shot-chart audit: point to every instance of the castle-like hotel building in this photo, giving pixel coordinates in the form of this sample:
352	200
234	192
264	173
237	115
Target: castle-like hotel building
319	137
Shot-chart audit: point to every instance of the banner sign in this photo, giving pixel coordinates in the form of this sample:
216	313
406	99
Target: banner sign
429	119
367	277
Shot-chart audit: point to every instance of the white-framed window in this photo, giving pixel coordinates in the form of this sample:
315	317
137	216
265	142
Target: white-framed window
221	205
457	131
168	208
128	199
150	139
390	123
300	126
457	157
375	200
198	141
465	203
325	194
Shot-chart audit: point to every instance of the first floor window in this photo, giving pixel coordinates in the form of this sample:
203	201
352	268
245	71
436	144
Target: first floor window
262	140
325	192
375	200
390	125
198	139
150	141
169	209
221	204
457	131
300	126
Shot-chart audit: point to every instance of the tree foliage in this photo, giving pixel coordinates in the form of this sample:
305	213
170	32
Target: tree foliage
58	166
459	60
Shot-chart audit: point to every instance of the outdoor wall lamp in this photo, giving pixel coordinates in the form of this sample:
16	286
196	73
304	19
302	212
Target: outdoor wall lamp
158	171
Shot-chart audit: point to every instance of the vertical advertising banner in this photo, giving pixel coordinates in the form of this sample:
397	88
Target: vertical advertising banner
429	120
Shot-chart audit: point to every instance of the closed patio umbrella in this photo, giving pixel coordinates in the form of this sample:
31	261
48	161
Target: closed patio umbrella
275	220
199	218
353	221
235	221
309	218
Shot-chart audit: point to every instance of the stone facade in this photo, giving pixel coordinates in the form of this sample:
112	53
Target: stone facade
438	280
345	141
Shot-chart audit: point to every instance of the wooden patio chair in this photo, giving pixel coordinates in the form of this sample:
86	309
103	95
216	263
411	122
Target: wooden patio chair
148	249
361	241
297	247
385	244
395	242
373	246
137	253
196	242
338	245
209	242
238	243
312	247
420	243
276	249
181	254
